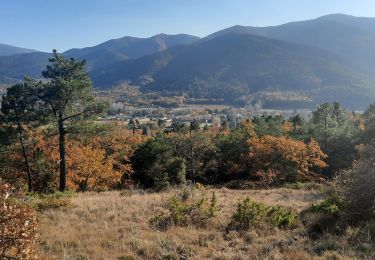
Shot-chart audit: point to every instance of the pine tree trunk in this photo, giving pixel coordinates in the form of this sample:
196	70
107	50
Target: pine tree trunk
62	154
24	154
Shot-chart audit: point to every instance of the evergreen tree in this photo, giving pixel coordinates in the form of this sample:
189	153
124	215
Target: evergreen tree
19	108
68	95
337	133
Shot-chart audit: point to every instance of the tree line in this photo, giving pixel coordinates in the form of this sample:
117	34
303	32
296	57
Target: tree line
49	141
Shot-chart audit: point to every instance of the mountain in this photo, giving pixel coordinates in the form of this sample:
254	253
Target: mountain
331	58
127	48
14	68
352	38
11	50
239	67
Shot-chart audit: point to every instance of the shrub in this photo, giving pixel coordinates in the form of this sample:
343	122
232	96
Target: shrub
18	226
331	205
359	191
41	202
352	195
183	211
249	213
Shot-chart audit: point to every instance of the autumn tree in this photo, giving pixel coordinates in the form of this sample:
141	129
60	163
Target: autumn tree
90	169
68	95
119	147
280	159
95	162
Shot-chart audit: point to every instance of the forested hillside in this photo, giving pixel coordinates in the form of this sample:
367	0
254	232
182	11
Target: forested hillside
233	67
302	64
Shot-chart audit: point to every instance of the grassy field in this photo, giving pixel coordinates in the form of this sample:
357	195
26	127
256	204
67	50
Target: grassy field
114	225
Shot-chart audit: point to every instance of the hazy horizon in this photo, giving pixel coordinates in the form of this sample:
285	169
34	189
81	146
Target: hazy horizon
87	23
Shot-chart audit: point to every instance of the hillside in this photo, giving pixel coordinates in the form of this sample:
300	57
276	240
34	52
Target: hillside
237	67
298	64
15	67
352	38
6	50
127	48
121	229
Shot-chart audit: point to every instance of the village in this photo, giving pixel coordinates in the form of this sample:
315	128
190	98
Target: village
201	117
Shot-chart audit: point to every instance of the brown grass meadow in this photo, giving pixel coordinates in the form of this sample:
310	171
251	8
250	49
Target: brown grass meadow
115	225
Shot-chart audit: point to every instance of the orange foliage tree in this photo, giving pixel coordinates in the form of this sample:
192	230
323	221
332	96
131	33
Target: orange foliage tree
119	146
90	169
280	159
18	227
99	163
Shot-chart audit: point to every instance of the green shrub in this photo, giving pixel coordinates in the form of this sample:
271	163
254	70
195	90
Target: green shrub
330	205
181	210
249	213
55	200
51	203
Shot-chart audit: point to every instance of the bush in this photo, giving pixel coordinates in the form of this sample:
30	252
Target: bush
181	210
349	202
352	195
41	202
18	226
359	191
249	213
330	205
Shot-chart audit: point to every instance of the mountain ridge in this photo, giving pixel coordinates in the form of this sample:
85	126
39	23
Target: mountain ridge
332	53
233	66
6	50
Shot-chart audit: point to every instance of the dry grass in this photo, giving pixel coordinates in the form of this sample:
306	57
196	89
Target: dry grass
113	226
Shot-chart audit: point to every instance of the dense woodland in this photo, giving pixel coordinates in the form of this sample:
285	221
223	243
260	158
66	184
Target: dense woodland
51	142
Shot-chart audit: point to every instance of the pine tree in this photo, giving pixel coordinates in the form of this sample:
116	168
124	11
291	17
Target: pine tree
20	109
68	95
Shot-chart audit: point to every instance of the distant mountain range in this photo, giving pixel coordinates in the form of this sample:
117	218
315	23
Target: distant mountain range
11	50
15	67
331	58
127	48
352	38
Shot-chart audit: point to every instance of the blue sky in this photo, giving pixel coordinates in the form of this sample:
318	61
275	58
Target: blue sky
64	24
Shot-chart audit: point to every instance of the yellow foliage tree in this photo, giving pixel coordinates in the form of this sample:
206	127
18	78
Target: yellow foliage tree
119	146
89	169
100	163
280	159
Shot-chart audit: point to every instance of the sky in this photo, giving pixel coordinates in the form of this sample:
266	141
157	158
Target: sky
63	24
